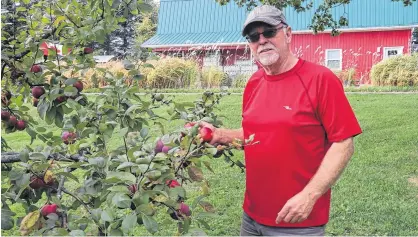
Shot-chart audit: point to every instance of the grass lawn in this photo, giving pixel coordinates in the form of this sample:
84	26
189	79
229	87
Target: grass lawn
373	196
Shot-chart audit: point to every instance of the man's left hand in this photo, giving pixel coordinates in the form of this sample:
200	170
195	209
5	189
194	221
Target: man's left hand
296	209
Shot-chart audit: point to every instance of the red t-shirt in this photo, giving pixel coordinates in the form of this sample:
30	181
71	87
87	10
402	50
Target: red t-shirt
295	116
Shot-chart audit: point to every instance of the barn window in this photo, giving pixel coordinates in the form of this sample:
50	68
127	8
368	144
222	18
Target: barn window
334	59
392	51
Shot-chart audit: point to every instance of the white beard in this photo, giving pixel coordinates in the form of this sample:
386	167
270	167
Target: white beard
269	59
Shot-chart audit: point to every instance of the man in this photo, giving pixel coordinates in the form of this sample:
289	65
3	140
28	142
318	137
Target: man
304	125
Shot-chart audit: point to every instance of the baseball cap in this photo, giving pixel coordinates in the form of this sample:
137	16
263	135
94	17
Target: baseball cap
265	13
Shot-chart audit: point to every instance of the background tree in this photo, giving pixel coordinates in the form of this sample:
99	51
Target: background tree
122	41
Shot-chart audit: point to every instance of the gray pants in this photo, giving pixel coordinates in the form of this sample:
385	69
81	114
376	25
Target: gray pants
251	228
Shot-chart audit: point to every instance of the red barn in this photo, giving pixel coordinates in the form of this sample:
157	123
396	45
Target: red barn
211	34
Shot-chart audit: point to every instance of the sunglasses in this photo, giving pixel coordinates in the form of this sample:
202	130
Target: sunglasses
269	33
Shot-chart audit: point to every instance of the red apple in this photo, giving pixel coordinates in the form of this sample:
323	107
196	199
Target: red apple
172	183
35	102
133	188
38	91
48	209
68	137
187	126
88	50
5	115
159	146
36	182
35	68
78	85
165	149
20	125
206	134
61	99
184	209
12	121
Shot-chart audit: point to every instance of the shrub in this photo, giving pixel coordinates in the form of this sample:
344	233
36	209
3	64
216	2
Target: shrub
213	77
173	73
396	71
347	76
240	80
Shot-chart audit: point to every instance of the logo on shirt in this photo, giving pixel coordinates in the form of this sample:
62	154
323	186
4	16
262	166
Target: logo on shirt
287	107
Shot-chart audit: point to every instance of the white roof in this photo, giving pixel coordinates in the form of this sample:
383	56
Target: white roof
103	58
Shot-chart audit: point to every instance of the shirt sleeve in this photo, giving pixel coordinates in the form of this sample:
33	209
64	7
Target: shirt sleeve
334	109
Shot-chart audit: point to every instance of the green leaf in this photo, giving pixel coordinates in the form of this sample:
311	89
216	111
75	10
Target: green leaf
43	107
162	128
207	164
7	222
150	224
37	156
131	152
146	209
133	72
59	117
132	108
122	200
21	9
144	132
197	200
15	174
70	81
138	77
129	223
58	20
195	173
70	91
123	176
115	232
148	65
68	175
24	156
98	161
76	233
41	129
123	131
128	64
144	7
199	232
59	232
50	115
119	188
23	108
107	215
126	164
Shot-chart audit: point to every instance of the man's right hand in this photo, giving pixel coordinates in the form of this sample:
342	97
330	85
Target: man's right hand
216	136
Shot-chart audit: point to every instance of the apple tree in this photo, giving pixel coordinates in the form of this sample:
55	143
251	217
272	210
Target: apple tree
78	183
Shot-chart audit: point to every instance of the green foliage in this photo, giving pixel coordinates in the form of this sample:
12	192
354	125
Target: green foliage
173	73
212	77
396	71
240	80
347	76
